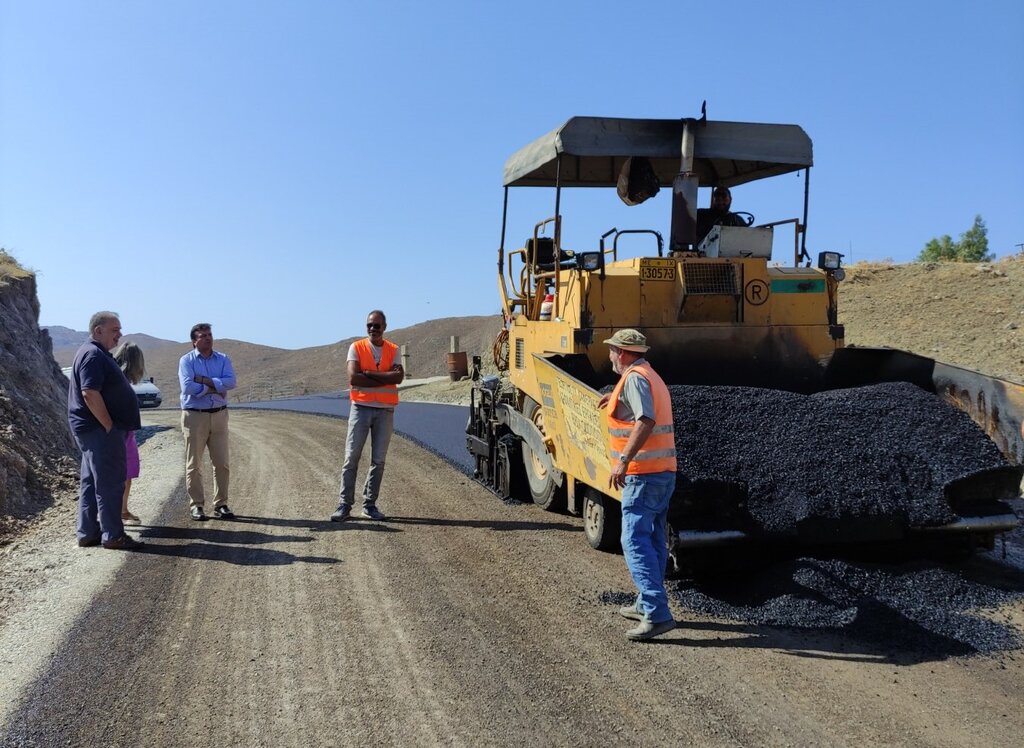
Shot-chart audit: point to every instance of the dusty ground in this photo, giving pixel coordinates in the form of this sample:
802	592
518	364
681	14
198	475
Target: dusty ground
461	621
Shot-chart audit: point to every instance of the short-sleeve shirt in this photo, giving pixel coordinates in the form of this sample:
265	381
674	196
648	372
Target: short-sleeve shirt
635	400
96	369
376	350
378	353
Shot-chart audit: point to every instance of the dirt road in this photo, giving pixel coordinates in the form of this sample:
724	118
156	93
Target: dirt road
460	621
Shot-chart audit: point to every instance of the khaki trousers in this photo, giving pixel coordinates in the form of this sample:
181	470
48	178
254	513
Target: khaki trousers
202	430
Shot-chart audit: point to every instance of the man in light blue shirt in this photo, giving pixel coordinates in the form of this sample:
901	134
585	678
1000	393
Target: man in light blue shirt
205	376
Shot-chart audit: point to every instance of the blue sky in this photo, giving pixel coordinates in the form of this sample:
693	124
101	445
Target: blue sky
281	168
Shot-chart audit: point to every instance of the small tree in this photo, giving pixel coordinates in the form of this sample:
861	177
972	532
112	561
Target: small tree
939	250
974	243
972	247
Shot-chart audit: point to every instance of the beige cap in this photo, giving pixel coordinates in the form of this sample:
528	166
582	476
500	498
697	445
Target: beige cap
629	340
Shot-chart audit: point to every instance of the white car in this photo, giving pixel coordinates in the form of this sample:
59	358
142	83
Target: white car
147	392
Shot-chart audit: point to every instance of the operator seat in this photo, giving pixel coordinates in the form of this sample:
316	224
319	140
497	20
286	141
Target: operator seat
540	254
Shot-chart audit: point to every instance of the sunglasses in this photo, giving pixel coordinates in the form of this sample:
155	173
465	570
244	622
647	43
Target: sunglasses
373	325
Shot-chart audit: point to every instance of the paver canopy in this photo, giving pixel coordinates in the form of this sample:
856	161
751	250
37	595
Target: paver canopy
593	149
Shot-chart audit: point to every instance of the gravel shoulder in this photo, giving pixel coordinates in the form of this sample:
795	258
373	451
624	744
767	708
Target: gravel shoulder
461	621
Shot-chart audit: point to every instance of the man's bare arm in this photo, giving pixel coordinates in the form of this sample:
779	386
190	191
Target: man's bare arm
94	402
359	378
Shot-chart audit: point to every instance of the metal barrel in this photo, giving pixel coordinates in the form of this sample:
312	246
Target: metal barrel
458	366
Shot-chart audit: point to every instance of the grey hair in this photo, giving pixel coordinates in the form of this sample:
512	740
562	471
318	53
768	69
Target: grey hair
101	318
129	357
383	316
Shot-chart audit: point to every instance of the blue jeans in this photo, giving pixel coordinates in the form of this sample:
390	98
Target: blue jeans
102	484
378	424
645	500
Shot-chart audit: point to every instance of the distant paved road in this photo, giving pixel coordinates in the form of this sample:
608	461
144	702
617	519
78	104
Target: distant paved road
434	426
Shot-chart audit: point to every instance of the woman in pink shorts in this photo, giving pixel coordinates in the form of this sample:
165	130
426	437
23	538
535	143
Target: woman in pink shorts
129	358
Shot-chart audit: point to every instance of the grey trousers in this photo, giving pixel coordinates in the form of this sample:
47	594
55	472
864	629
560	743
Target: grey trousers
378	424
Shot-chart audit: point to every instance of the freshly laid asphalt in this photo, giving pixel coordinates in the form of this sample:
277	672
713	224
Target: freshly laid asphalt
436	427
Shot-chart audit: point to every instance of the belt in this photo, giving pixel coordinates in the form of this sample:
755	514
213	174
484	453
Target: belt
207	410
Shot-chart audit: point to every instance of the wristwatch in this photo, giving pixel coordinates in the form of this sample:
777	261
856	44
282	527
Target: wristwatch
623	459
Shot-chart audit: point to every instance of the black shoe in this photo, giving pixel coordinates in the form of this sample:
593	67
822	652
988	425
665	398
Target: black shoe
124	543
198	514
223	512
88	542
343	513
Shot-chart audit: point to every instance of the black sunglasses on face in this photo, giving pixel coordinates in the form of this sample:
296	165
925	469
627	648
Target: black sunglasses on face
373	325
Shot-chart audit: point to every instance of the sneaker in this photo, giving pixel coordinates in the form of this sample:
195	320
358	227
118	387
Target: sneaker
198	514
343	513
124	543
222	512
647	630
372	512
630	612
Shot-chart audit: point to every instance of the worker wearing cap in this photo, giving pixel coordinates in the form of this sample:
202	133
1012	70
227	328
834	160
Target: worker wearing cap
643	465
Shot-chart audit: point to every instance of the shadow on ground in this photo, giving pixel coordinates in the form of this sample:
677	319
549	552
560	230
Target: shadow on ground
240	547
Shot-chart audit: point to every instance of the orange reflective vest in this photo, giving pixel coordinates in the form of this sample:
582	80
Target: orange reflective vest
385	394
658	453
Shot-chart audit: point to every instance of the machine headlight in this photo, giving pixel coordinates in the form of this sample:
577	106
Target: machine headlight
839	274
589	260
829	260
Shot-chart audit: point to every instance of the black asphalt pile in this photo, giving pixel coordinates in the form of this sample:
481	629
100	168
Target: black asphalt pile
903	611
883	450
908	612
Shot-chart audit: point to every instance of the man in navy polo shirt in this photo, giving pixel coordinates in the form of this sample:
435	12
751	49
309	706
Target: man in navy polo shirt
102	407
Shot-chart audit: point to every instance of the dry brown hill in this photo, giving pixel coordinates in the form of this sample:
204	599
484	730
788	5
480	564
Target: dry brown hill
970	315
268	373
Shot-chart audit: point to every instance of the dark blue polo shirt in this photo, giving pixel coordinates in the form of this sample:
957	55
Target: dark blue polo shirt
95	369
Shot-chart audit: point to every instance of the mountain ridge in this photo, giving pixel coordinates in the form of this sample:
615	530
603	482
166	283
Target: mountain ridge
966	314
265	372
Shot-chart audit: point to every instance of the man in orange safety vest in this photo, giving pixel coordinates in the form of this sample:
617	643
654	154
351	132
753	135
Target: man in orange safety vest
643	464
374	373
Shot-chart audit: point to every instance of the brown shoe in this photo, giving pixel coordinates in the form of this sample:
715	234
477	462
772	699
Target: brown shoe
124	543
129	517
88	542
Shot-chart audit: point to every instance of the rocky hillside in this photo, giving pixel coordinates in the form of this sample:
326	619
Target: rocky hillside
38	458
